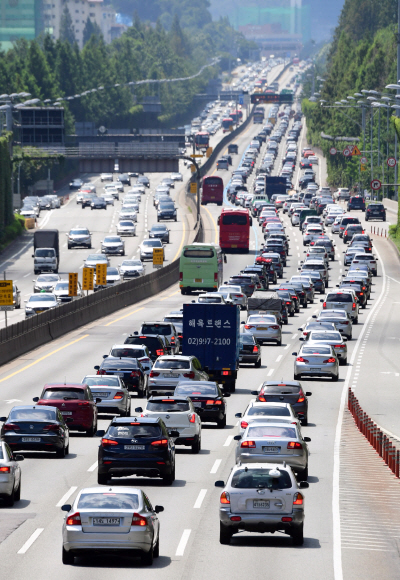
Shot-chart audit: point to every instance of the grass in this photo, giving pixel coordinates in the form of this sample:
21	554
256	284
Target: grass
394	235
12	231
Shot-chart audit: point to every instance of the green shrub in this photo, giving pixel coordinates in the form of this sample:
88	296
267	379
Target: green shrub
12	231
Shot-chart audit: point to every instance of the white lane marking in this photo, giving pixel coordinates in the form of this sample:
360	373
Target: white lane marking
29	542
270	372
228	441
279	358
182	544
286	347
66	496
94	466
199	499
294	336
26	275
216	465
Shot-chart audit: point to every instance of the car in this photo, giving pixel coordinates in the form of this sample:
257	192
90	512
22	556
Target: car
343	193
235	293
124	178
318	266
36	428
136	446
279	443
306	328
126	228
98	203
110	394
76	184
94	259
178	413
257	412
79	237
316	361
223	163
326	243
350	253
331	337
122	521
45	282
375	211
129	369
304	284
169	182
264	327
340	318
109	198
86	200
143	180
352	230
243	507
342	300
10	475
61	291
249	350
176	176
247	283
364	258
140	352
146	249
169	370
208	400
117	185
106	177
131	269
127	214
113	245
165	329
38	303
285	392
75	403
160	232
356	202
155	344
16	297
28	213
213	298
300	290
166	211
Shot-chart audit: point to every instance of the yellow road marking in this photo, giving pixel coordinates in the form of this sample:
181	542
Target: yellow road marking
42	358
125	316
178	253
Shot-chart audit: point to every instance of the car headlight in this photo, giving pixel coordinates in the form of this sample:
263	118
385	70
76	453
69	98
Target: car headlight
28	309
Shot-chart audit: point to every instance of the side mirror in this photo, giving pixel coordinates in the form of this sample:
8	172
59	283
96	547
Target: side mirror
35	399
238	415
96	368
98	400
66	507
304	485
307	439
33	255
237	437
219	483
100	433
294	353
138	410
3	419
255	393
300	329
322	300
105	355
227	395
243	322
158	508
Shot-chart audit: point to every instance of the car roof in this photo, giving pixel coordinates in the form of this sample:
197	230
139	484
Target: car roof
134	419
66	386
176	357
281	384
34	407
172	397
262	404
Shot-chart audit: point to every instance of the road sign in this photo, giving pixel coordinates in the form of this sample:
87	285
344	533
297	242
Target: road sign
209	152
391	162
363	167
101	274
376	184
364	160
192	168
333	150
241	100
193	187
73	284
6	308
87	278
194	155
355	151
346	152
158	257
6	293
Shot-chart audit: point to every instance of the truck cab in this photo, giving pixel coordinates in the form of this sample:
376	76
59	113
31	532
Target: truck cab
45	260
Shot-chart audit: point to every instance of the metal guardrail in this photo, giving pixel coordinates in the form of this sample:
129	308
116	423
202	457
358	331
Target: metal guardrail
117	150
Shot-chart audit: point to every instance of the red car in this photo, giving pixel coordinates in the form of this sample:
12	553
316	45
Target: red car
75	402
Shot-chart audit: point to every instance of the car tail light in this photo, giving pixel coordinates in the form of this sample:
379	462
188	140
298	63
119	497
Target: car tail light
173	339
119	395
324	305
354	306
51	428
225	498
286	519
301	359
330	360
84	404
74	520
248	326
248	444
101	372
288	303
297	499
294	445
274	327
261	398
154	374
255	348
190	375
361	294
11	427
235	519
192	418
135	374
138	520
160	443
160	352
180	276
5	469
226	373
244	424
345	323
106	442
338	346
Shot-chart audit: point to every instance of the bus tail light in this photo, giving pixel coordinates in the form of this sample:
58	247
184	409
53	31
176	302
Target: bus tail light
180	276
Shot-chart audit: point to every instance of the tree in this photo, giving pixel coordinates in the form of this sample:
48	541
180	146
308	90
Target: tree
66	28
90	28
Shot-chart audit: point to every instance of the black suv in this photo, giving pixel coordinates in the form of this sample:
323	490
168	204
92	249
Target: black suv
136	446
155	344
356	202
375	211
129	369
285	392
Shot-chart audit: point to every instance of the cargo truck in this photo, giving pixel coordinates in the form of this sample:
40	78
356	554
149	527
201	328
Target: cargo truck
46	256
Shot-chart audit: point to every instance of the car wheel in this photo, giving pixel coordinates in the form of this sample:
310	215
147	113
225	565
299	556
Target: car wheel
297	535
10	499
156	551
67	449
303	475
257	364
296	377
343	362
67	557
225	534
221	423
147	557
17	495
60	452
102	478
304	421
69	247
170	478
355	320
279	342
335	378
350	337
196	446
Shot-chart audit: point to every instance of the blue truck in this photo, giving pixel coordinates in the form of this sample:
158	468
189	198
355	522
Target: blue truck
211	333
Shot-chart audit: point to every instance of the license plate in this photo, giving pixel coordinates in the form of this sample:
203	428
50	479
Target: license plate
31	439
262	327
271	449
315	369
39	311
119	374
234	245
106	521
198	280
100	395
171	376
196	404
66	412
260	503
134	447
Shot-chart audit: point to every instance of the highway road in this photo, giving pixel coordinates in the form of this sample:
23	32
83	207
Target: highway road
352	514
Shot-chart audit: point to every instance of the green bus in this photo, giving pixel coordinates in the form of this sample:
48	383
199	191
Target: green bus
200	268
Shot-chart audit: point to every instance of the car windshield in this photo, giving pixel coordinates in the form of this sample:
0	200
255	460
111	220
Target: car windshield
112	272
256	318
42	298
326	336
209	299
168	406
152	243
172	364
249	478
127	352
127	223
269	411
134	430
340	297
101	381
174	320
131	263
190	390
271	431
45	253
79	233
246	339
108	501
158	228
61	286
112	239
33	415
167	206
47	278
120	364
63	394
162	329
96	258
315	350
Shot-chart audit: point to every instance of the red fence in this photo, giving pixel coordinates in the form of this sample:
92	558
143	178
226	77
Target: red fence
386	447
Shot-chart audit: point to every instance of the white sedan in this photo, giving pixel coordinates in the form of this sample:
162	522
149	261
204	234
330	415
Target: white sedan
10	475
264	327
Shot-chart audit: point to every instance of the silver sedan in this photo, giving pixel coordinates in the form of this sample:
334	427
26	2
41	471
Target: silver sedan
237	296
115	397
10	475
340	318
317	361
111	520
264	327
335	339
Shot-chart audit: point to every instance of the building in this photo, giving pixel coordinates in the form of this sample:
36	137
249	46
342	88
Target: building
102	14
19	19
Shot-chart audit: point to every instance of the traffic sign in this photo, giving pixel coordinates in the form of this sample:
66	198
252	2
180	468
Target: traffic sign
363	167
355	151
193	187
101	274
376	184
158	257
196	155
364	160
87	278
73	284
6	293
192	168
6	308
333	150
209	152
391	162
346	152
